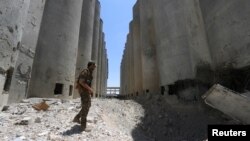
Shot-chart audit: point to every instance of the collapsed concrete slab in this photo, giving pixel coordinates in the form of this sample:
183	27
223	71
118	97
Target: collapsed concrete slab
229	102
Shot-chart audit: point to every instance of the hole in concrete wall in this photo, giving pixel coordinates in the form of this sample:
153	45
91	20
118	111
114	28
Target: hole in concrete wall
70	90
147	90
58	89
162	90
171	89
8	79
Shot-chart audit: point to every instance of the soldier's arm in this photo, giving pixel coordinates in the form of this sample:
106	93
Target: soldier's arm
82	81
85	85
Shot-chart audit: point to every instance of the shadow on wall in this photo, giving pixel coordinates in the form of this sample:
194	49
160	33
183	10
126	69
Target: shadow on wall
179	113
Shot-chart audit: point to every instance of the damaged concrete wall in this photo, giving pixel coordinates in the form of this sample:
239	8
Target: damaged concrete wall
54	66
228	32
58	37
227	27
181	41
13	16
150	76
23	67
187	46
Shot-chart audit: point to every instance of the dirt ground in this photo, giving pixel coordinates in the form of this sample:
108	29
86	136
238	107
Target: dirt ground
144	118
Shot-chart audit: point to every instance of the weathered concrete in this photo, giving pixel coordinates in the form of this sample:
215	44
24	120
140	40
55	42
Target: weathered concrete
102	68
23	67
106	69
99	60
148	43
181	41
229	102
122	76
126	74
95	47
3	96
13	16
228	32
54	67
137	50
85	37
130	61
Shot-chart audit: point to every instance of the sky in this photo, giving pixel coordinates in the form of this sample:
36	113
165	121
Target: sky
116	15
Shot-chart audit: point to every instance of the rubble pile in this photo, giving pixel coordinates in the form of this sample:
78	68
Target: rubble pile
169	118
109	120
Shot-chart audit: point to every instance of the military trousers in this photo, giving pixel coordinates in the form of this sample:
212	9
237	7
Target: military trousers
85	103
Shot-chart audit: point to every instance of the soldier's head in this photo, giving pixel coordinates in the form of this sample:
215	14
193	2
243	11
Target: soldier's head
91	65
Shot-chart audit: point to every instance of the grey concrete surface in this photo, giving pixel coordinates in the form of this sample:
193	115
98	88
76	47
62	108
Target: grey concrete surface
229	102
22	72
54	66
95	47
201	41
13	16
85	37
99	60
148	43
227	27
137	50
45	44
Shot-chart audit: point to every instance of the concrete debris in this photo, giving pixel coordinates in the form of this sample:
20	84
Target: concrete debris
43	133
38	120
56	123
41	106
21	138
229	102
25	101
5	108
24	121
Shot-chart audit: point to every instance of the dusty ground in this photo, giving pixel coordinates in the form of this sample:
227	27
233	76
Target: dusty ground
146	118
110	120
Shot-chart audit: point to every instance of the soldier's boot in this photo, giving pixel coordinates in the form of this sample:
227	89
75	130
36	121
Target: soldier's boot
87	129
84	124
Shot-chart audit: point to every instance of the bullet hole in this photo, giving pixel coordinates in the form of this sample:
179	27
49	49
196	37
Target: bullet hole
147	90
8	79
70	90
58	89
10	29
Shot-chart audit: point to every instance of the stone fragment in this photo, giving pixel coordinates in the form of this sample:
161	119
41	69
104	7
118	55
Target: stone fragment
24	121
41	106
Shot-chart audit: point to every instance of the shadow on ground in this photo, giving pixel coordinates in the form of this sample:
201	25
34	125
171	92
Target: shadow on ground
76	129
170	118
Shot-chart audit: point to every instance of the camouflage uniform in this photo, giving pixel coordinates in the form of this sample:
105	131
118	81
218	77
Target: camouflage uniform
87	77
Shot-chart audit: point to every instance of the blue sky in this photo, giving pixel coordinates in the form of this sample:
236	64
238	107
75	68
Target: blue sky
116	15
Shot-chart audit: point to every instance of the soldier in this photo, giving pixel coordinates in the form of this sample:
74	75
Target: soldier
84	88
